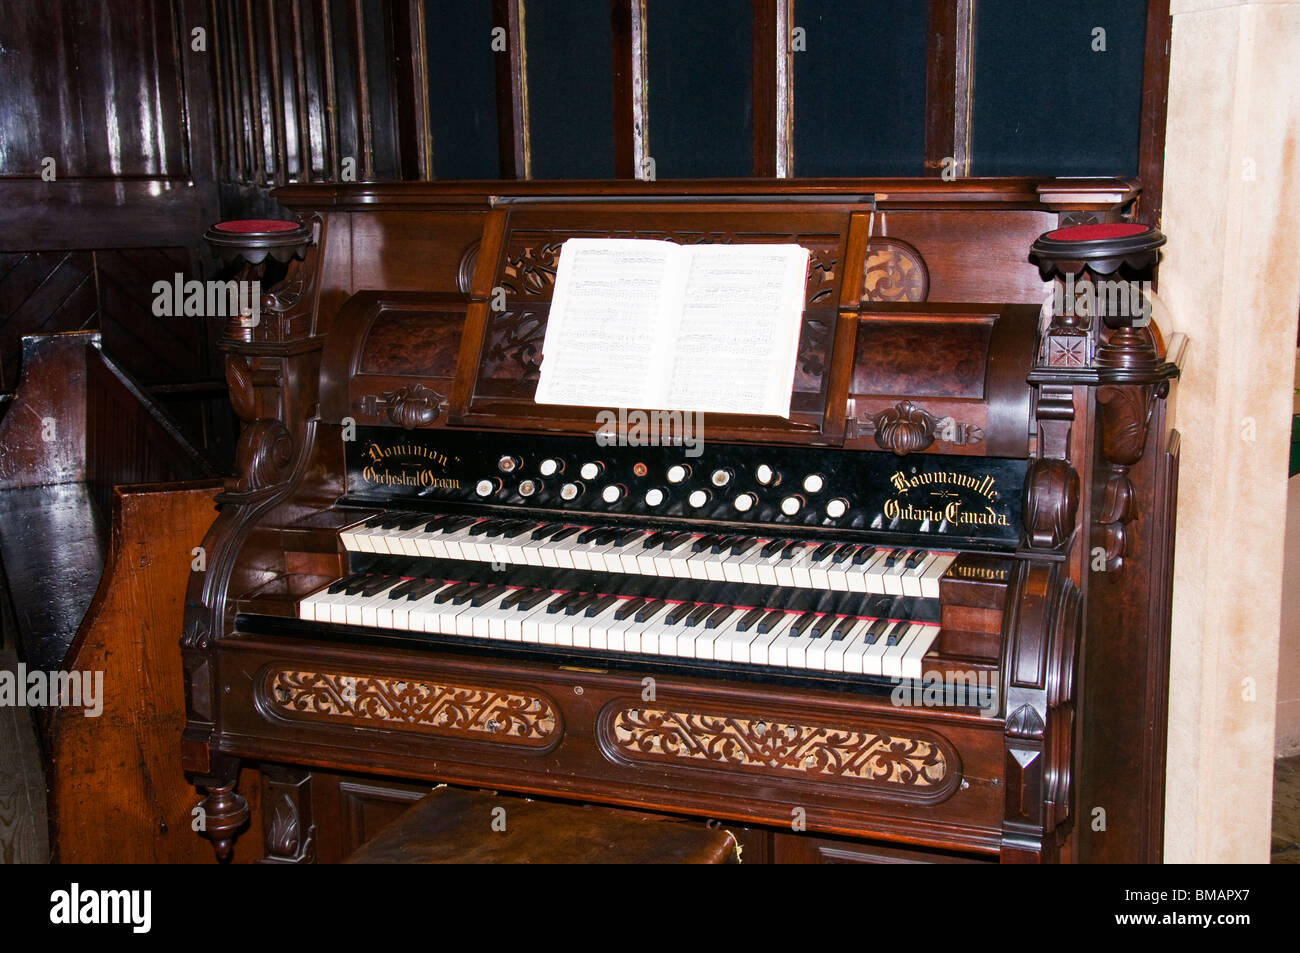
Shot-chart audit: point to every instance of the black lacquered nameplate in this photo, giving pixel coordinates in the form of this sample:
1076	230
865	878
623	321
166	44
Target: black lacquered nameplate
965	499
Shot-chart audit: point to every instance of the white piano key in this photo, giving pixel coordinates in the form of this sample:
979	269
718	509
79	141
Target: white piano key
930	580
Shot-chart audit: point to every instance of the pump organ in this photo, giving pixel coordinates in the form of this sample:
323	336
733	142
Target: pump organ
930	609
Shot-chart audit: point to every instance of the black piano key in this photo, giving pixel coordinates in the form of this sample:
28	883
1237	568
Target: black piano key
743	545
587	535
703	543
773	547
356	585
915	559
515	597
646	611
843	553
863	555
533	600
376	585
792	549
450	593
701	613
465	595
876	630
386	521
655	538
722	544
749	619
894	557
486	594
600	605
822	551
802	623
679	612
843	628
422	588
628	608
579	604
336	587
400	590
823	624
558	605
770	621
719	616
897	632
678	541
545	530
565	533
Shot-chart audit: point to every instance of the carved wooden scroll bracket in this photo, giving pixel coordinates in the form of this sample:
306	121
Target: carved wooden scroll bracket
907	428
1125	412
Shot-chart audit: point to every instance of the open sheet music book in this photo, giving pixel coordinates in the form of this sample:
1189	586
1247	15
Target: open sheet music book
660	326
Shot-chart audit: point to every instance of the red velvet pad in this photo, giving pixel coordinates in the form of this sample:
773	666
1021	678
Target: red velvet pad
1092	233
254	225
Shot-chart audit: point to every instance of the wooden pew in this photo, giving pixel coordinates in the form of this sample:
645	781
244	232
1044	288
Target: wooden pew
102	503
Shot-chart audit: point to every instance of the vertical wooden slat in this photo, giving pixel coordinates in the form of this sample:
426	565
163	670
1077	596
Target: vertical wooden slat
1155	105
254	97
363	92
300	92
239	111
620	31
948	86
331	95
763	45
280	159
784	90
216	50
512	91
413	140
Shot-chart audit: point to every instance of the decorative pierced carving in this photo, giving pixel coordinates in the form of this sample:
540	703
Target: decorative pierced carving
895	271
512	349
263	456
407	704
814	340
532	255
413	406
906	428
869	756
1051	503
530	268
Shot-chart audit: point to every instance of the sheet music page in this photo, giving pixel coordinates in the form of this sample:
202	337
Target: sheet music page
611	324
739	332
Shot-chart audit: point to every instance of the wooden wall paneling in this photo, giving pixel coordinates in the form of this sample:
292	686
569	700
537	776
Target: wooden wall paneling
766	46
42	293
301	110
512	91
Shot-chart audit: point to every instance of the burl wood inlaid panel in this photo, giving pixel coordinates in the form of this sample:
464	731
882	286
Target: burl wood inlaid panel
419	343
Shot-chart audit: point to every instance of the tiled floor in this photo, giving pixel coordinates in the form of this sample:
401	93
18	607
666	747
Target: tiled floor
1286	810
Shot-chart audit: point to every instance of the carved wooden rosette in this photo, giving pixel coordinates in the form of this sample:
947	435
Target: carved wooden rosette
266	362
412	406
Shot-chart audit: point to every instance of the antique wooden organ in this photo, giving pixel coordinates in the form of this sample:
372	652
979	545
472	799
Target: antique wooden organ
420	575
